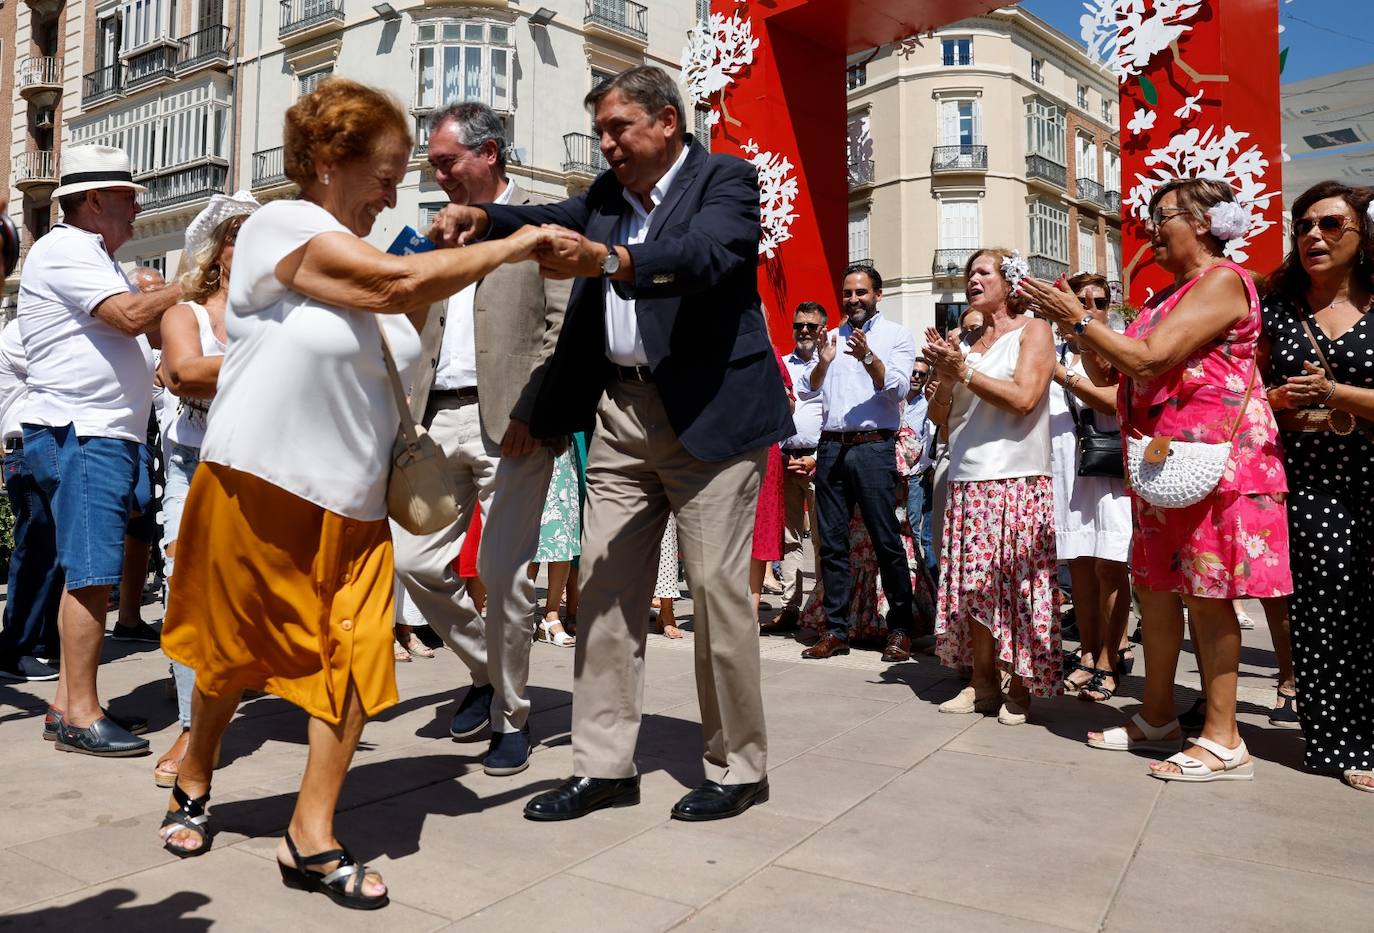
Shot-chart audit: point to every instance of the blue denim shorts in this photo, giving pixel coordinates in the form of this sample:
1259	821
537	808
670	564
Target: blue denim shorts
90	483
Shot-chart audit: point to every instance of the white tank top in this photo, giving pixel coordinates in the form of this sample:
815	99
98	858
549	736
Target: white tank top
987	442
188	428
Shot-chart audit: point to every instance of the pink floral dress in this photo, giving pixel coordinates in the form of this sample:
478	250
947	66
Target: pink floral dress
1234	543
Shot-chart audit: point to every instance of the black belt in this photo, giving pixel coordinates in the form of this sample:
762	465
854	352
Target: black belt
13	444
848	438
799	451
466	393
634	373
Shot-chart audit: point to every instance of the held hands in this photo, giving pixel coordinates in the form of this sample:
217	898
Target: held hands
459	225
530	242
568	254
1055	302
518	442
801	466
1310	389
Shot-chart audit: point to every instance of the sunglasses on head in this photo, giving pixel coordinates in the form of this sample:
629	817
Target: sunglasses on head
1100	304
1329	227
802	326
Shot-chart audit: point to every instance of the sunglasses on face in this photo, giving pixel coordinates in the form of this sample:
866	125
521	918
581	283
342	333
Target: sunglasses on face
920	374
1329	227
1100	304
806	328
1159	215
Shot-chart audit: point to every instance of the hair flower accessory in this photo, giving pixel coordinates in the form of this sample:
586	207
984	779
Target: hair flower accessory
1369	213
1014	269
1229	220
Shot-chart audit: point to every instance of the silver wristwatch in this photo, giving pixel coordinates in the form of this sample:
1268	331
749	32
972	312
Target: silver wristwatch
868	358
611	264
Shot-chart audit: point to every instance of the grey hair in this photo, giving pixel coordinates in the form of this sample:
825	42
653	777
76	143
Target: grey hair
650	87
476	124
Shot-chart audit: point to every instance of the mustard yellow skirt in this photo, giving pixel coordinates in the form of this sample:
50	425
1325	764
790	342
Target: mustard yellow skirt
275	593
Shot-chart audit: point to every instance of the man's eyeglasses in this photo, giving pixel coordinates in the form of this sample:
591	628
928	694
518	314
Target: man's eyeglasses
1100	304
811	328
920	374
1159	215
1330	227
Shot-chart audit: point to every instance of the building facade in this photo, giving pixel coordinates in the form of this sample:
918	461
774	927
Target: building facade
995	131
195	91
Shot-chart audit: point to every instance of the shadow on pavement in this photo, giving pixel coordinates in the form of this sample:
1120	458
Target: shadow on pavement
107	911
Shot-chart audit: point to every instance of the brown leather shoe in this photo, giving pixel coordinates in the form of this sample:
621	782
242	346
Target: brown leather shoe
827	647
898	647
785	621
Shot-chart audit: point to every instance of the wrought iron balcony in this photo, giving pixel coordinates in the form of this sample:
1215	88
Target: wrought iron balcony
860	173
269	168
102	84
959	159
209	46
621	18
1090	190
582	155
156	64
1046	269
184	185
40	77
1037	166
35	169
301	19
1113	202
950	262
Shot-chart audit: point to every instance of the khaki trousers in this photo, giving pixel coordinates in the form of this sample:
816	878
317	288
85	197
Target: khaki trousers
799	498
637	471
511	493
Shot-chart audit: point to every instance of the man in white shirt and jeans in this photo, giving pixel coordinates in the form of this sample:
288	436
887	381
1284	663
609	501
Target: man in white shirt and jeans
863	375
799	466
85	417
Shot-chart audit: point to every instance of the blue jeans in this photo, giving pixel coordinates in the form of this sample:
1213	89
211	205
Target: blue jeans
89	482
918	517
35	578
864	475
181	466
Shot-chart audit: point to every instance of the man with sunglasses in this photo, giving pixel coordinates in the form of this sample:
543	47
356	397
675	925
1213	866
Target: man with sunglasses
863	375
799	465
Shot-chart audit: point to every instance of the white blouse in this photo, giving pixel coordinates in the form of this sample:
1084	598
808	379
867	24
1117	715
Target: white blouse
987	442
304	401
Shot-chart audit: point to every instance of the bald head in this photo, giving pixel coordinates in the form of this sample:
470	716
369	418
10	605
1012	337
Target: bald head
147	279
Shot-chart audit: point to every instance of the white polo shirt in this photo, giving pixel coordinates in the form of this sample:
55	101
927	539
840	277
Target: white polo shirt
82	371
13	370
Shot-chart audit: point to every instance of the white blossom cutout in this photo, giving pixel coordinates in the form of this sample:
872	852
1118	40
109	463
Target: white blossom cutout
716	51
777	191
1190	107
1141	121
1122	35
1214	154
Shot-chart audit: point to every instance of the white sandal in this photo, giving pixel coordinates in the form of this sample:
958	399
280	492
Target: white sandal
1196	771
1156	739
1353	772
559	639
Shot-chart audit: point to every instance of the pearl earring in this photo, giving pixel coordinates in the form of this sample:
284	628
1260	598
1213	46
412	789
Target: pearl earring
326	178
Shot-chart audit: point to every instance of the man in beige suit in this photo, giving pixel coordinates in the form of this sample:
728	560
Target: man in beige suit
487	350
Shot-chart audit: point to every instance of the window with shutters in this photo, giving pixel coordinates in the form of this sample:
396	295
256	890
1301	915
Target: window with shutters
1087	249
961	123
1083	96
957	51
307	82
1045	130
858	236
1113	258
145	22
464	60
1086	157
959	227
1049	231
428	211
1038	70
168	131
1111	177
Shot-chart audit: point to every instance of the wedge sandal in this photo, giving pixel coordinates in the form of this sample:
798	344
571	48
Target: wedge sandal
343	884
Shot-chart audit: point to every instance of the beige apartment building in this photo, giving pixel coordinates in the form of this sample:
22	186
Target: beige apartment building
195	90
995	131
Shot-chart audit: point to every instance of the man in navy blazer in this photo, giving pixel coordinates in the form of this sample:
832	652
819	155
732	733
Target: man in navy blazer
664	353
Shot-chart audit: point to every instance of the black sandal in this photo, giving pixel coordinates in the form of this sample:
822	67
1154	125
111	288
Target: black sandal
1070	686
337	883
190	814
1095	686
1125	661
1285	715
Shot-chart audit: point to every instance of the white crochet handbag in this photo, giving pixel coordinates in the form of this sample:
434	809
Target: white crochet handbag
1175	474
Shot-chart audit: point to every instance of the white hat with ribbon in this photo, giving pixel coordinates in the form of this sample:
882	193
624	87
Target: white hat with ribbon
220	209
86	168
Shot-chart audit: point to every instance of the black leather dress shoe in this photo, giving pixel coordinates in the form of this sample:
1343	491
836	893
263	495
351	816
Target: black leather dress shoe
712	801
102	738
578	796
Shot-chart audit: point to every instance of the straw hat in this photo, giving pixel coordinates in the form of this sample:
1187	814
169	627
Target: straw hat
85	168
220	209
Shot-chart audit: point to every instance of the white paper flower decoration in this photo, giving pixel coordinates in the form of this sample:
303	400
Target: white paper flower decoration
1014	269
1229	221
1190	107
717	49
1141	121
1369	213
777	191
1124	35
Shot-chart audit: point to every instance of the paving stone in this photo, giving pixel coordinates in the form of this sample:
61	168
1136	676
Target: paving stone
565	903
27	881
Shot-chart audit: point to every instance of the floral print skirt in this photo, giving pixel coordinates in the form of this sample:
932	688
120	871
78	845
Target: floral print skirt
1228	546
560	528
997	569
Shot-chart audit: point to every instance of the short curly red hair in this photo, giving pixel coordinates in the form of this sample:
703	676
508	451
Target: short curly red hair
339	121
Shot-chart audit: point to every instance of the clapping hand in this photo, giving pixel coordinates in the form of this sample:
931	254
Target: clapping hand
858	345
828	348
1055	303
944	356
1309	389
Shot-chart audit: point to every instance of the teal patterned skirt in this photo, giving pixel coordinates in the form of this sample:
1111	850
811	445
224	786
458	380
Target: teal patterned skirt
560	528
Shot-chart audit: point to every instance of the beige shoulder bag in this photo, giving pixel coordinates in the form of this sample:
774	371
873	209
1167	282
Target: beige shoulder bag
419	496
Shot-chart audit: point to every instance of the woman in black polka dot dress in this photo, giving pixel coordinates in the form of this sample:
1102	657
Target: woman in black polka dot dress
1318	317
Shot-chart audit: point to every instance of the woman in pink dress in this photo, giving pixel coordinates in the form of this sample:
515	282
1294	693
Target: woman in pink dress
768	515
1189	371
